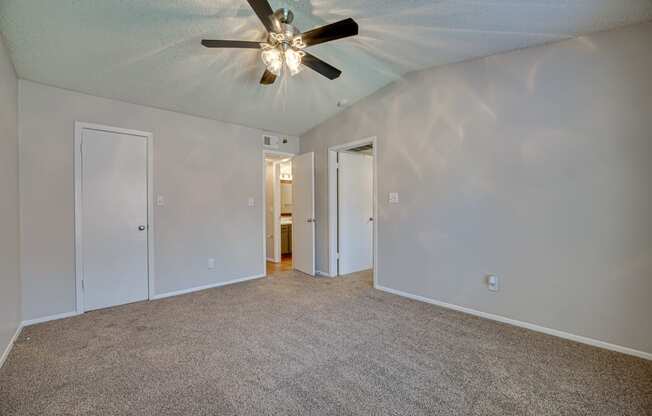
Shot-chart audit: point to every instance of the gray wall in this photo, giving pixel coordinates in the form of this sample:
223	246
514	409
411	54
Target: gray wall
205	169
9	219
535	165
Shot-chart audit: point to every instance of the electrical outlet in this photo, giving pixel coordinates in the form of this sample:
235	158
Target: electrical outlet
393	197
211	264
251	202
493	283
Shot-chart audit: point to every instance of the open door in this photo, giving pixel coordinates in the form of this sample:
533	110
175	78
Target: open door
303	215
355	212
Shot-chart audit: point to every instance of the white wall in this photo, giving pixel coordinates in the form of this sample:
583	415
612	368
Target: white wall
205	169
9	219
535	165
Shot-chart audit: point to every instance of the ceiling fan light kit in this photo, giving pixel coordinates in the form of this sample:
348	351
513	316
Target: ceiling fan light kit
285	43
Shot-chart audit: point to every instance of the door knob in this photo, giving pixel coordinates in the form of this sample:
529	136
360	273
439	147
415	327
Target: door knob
141	227
311	220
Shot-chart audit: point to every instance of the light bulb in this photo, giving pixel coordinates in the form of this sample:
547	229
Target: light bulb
275	67
293	61
270	54
272	59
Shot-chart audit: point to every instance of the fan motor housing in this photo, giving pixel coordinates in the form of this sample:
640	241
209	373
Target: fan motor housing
284	15
285	36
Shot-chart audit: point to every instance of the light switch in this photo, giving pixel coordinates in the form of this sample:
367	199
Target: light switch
160	201
393	197
211	264
493	283
251	202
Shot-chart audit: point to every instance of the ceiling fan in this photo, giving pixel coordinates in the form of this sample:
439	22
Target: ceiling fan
285	44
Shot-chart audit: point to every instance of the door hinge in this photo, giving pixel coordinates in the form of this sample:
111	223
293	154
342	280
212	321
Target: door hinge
337	256
82	284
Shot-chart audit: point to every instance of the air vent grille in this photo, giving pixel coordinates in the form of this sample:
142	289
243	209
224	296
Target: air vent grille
362	148
271	142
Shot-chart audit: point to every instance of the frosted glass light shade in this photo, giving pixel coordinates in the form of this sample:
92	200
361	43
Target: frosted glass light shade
293	61
273	60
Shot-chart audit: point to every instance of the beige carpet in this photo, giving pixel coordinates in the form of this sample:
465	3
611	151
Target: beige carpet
301	346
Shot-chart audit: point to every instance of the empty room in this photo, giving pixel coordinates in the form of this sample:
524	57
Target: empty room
326	207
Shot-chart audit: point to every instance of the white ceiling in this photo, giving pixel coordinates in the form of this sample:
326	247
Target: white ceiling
148	52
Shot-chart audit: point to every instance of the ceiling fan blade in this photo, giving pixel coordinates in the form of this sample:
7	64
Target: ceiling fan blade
230	44
268	78
263	10
338	30
320	66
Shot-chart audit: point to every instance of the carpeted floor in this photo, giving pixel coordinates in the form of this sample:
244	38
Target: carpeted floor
295	345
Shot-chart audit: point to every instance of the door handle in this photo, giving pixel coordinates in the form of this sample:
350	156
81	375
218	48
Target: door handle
311	220
141	228
371	219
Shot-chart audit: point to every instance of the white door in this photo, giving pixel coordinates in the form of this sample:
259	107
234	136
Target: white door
356	209
303	213
269	211
113	219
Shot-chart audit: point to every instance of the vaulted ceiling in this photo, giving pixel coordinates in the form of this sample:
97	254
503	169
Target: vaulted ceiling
148	51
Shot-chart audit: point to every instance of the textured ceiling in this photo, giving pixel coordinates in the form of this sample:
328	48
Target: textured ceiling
148	52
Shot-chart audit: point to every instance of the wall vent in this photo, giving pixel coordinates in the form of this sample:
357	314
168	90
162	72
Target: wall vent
270	142
366	148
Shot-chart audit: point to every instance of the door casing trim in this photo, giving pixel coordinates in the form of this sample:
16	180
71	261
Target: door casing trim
277	198
79	128
332	203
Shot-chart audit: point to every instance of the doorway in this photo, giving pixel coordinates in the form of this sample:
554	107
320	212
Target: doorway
113	214
278	212
352	208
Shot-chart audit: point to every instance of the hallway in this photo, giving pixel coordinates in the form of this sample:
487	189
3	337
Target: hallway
284	266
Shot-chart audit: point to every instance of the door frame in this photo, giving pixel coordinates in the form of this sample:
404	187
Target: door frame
79	261
277	207
333	203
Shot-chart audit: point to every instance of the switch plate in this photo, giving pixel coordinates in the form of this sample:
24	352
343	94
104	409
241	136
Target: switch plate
493	283
393	198
211	264
251	202
160	201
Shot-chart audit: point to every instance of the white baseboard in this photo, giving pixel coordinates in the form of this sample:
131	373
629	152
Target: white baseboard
211	286
272	260
49	318
527	325
7	350
161	296
324	274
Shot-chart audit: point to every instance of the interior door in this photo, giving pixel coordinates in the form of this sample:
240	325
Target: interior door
303	214
114	218
269	211
355	212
